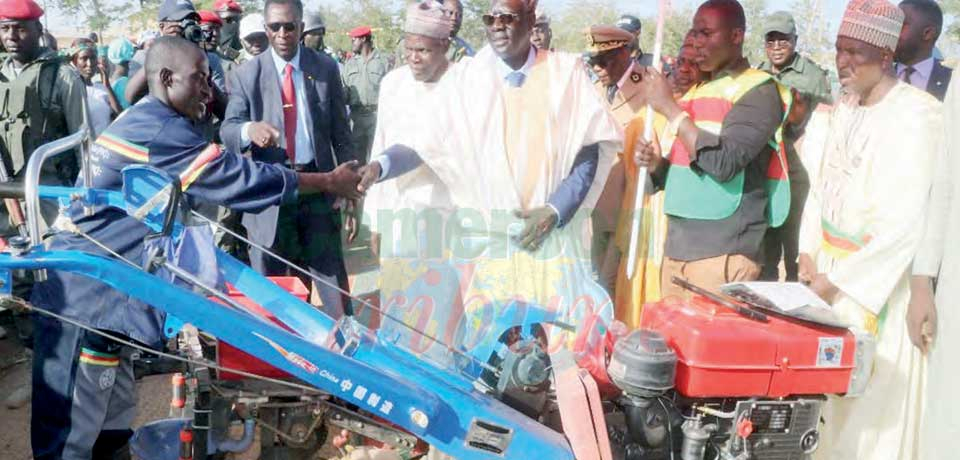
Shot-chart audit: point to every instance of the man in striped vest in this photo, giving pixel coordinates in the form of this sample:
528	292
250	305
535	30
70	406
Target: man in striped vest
724	179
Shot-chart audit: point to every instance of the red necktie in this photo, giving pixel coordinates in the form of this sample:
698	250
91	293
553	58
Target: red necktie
289	98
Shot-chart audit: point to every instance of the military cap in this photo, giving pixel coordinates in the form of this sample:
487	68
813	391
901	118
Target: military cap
313	22
630	23
19	10
209	17
782	22
361	31
227	5
606	38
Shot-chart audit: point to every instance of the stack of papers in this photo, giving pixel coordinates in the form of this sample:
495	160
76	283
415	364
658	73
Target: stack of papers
791	299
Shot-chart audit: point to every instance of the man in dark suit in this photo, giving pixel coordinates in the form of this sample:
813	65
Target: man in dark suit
287	106
923	21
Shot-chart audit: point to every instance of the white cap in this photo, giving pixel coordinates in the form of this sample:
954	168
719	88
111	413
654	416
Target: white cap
252	24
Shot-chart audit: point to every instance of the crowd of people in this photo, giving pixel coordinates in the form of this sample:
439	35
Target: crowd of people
511	171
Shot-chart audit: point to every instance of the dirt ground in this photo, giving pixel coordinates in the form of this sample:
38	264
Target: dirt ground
153	391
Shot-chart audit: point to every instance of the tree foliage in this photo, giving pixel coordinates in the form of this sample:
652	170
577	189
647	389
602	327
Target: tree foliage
97	15
952	8
568	21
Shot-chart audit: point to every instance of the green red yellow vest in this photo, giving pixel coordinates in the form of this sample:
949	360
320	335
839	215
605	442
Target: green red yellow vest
695	195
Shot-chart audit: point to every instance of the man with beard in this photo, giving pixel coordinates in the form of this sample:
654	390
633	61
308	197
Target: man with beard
287	107
862	227
723	181
524	145
84	398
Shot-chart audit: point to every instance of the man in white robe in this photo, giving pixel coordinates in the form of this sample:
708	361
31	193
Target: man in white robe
941	424
402	113
862	228
408	213
521	140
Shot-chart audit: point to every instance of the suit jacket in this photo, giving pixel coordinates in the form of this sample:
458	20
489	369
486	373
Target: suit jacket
939	80
255	96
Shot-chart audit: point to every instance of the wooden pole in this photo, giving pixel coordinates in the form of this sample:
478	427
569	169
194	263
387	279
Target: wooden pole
638	204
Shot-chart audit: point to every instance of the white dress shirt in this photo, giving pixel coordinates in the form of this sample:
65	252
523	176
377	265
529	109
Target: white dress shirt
505	70
921	75
304	143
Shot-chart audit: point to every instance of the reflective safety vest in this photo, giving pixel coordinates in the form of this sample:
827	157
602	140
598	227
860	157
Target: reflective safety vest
694	195
29	116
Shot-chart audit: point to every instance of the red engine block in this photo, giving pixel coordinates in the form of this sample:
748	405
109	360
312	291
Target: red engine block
723	354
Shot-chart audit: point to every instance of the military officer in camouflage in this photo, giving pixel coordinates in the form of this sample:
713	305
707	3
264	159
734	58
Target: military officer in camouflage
361	78
41	96
41	99
618	83
787	65
808	82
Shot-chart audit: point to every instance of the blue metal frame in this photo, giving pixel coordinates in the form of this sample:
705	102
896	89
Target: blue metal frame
343	358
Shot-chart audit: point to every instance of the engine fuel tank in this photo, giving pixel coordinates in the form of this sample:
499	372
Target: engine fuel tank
723	354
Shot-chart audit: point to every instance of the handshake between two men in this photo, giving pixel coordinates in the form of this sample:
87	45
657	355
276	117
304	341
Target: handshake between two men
344	181
350	182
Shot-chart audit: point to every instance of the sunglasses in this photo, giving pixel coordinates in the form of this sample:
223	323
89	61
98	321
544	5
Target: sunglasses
601	60
506	19
286	26
231	19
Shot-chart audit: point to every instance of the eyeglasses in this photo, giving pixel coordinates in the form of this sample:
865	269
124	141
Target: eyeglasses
286	26
231	19
506	19
778	42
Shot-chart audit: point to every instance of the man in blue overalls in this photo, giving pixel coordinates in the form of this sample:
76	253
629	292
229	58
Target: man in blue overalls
84	398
